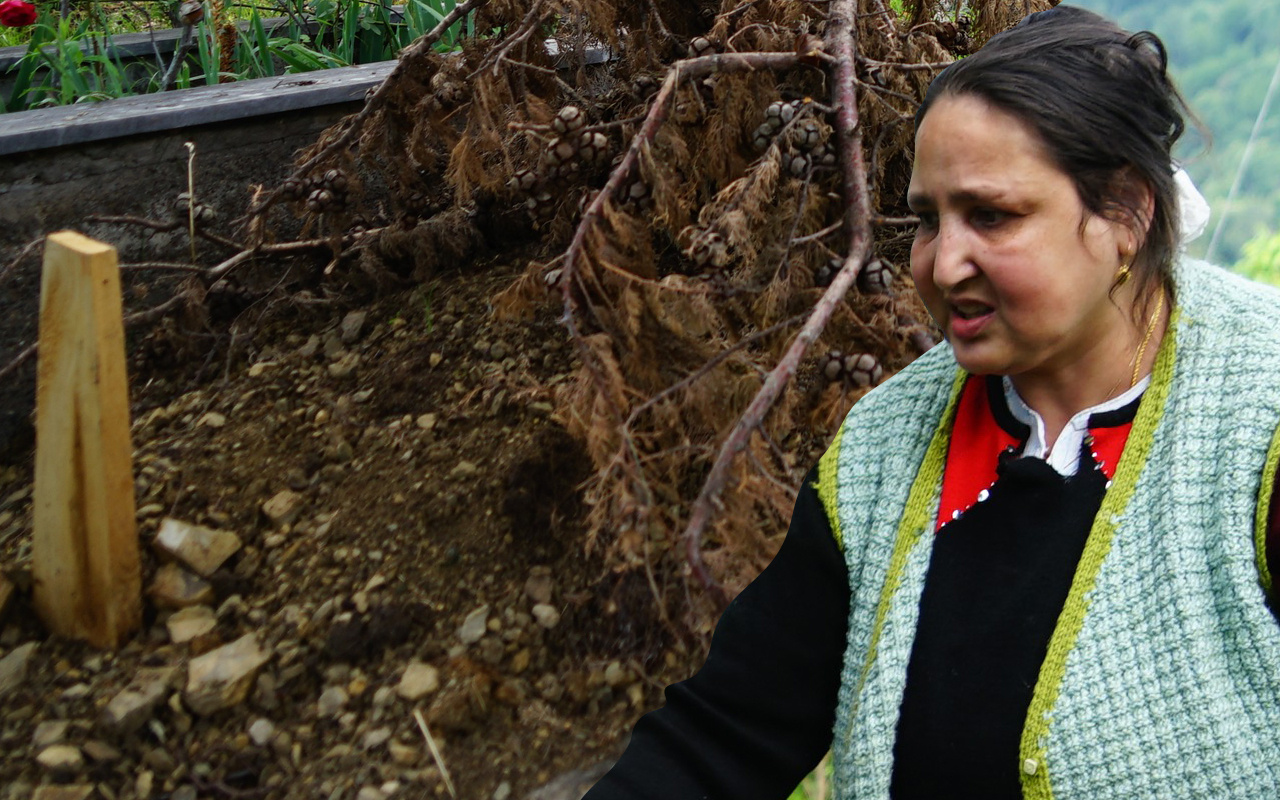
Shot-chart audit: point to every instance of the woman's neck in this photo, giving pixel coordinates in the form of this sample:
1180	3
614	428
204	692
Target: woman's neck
1059	395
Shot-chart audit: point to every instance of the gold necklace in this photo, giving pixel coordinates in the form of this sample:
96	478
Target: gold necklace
1146	339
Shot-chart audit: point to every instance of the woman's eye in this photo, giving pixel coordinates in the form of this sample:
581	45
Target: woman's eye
987	217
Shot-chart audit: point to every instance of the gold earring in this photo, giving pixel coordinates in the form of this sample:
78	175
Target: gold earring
1123	275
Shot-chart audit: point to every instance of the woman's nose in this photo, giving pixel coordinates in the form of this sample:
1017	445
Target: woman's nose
952	256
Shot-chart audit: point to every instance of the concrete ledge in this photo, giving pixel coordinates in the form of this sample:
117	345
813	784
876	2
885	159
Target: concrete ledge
128	116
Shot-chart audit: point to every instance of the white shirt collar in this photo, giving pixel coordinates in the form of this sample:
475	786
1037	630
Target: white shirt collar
1064	455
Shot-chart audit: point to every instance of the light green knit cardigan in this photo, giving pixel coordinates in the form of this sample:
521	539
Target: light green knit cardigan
1162	679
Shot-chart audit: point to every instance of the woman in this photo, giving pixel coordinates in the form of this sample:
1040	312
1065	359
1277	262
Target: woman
1033	563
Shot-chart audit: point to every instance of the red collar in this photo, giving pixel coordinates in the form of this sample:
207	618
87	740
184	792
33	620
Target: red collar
984	429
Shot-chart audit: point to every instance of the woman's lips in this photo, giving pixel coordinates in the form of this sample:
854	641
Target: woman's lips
968	319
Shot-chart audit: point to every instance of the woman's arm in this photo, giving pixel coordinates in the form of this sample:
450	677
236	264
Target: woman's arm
759	715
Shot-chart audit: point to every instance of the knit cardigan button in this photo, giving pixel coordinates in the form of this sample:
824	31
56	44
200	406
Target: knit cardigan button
1030	766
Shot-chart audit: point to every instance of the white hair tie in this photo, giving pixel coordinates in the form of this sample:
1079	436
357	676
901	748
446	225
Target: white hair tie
1193	210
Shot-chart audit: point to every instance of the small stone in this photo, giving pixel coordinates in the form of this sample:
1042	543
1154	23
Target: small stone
369	793
283	508
502	792
190	623
61	758
100	752
222	678
383	696
546	615
184	792
540	586
434	359
256	370
520	661
174	587
201	549
72	791
212	420
151	510
142	786
53	731
403	754
352	325
473	627
418	681
261	731
159	760
427	421
615	674
375	738
333	347
344	367
331	702
464	469
76	692
322	417
131	708
498	351
311	347
13	667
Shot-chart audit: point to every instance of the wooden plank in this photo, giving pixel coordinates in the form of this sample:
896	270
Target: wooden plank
84	558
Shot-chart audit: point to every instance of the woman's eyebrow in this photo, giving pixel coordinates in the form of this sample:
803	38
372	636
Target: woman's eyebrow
957	197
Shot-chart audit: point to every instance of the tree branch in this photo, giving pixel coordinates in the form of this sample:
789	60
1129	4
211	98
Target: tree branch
841	42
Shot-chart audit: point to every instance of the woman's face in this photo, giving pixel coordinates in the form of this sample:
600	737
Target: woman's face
1014	269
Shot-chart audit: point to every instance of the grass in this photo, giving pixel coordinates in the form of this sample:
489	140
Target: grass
74	68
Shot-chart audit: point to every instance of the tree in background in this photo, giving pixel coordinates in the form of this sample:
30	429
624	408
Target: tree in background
1260	258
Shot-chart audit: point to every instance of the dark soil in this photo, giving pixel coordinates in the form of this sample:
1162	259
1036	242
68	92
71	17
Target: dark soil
438	470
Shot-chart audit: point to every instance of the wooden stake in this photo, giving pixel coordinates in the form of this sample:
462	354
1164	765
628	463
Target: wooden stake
84	558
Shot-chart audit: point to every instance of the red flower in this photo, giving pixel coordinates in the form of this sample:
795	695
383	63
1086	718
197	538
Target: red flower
17	13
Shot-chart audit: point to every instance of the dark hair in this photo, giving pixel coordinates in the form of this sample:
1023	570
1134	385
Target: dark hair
1102	102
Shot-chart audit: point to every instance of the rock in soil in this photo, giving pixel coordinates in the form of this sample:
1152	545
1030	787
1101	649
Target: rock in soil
53	731
201	549
61	759
474	626
174	587
221	678
13	667
132	707
418	681
352	326
261	731
283	508
190	623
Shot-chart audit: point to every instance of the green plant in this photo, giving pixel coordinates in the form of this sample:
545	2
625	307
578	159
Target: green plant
1260	259
72	75
71	60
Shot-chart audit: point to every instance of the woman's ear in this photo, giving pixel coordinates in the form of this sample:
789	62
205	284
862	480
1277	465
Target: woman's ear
1135	203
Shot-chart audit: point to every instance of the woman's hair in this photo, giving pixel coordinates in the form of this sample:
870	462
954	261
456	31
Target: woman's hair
1102	103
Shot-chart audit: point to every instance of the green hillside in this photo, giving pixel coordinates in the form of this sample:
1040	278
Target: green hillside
1223	54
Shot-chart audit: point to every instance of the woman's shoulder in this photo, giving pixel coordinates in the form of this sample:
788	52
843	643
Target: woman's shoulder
1226	301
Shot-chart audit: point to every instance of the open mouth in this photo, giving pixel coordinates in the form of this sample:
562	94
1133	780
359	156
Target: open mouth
970	310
